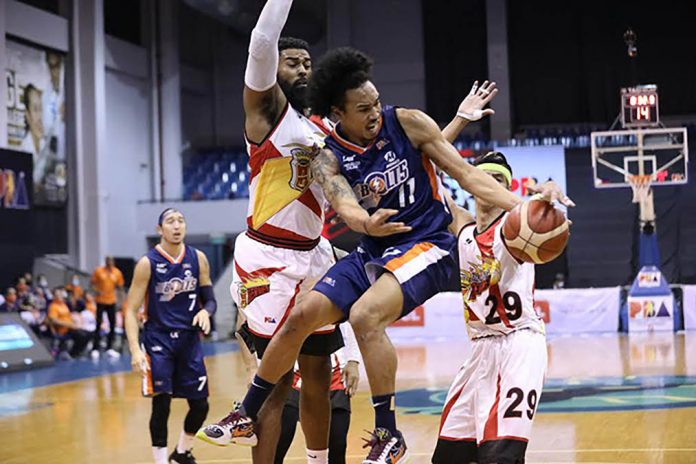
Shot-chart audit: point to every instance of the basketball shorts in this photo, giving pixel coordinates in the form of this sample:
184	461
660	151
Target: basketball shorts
176	364
493	400
424	268
268	282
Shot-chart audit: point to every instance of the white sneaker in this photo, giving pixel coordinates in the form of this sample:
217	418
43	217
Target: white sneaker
95	354
113	353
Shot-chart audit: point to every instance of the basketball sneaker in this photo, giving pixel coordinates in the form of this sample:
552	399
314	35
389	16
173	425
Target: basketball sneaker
181	458
385	448
235	428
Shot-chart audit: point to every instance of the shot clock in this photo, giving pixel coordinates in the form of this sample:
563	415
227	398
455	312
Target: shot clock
639	106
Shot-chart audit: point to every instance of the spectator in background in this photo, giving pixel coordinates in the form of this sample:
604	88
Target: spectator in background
107	282
75	288
29	279
26	303
10	304
2	299
559	283
42	284
63	325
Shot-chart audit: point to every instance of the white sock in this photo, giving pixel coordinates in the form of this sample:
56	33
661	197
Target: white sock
185	442
160	455
318	456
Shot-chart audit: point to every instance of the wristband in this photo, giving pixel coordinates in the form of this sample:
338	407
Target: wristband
475	116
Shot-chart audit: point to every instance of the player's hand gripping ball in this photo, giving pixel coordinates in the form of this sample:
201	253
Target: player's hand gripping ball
536	232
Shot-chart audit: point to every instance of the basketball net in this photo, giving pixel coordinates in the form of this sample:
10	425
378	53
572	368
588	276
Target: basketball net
642	194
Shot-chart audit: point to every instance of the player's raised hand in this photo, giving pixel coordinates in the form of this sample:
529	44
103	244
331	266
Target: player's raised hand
139	361
550	191
471	108
202	320
351	377
377	226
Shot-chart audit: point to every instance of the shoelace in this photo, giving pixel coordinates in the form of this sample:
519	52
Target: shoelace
231	418
376	443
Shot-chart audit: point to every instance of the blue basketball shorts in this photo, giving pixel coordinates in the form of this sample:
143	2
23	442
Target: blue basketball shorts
423	267
176	364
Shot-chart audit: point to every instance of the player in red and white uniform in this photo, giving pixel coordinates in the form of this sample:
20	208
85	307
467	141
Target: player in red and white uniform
487	417
282	254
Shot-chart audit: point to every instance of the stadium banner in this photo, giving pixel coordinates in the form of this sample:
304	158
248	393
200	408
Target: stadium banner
16	215
36	116
579	310
689	306
563	311
530	166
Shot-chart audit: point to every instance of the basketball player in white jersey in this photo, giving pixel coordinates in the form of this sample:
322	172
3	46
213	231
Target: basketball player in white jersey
487	417
282	254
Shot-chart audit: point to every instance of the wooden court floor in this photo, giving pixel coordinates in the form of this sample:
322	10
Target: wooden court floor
608	398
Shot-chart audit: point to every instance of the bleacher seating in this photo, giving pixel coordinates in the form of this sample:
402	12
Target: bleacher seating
217	175
224	174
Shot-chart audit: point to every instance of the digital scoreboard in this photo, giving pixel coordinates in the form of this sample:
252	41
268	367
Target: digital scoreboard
640	106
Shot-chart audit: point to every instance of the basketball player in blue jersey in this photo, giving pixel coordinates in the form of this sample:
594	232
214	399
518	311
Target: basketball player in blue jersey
173	281
378	172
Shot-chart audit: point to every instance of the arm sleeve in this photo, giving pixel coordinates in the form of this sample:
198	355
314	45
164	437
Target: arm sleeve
262	63
351	344
208	299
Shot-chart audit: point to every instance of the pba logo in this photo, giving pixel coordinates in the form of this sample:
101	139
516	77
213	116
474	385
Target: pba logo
649	279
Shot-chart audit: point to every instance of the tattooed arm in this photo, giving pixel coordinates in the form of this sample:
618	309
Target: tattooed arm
327	173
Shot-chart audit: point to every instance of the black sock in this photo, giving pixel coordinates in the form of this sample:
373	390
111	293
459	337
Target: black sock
384	412
255	397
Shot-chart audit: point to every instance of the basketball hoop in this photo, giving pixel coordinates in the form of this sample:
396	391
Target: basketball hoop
640	184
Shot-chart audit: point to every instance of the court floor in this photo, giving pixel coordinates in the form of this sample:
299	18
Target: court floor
608	398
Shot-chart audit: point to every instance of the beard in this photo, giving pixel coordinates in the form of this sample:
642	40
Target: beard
297	94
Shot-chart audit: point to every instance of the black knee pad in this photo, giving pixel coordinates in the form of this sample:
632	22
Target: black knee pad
158	419
198	411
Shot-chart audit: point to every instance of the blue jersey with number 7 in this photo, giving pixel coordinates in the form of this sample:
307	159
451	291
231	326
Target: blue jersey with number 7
171	301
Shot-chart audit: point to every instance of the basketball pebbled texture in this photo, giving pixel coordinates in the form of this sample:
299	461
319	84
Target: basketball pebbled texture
536	232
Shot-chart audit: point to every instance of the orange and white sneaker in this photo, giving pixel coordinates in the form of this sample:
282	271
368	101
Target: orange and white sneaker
235	428
385	448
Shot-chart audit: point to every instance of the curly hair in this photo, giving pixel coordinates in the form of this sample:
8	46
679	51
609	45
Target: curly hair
292	42
336	72
494	157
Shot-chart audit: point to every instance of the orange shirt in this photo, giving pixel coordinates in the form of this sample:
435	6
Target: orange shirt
61	313
105	282
77	291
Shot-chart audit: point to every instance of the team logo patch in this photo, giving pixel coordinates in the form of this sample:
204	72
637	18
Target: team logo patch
302	156
253	284
378	183
169	289
479	277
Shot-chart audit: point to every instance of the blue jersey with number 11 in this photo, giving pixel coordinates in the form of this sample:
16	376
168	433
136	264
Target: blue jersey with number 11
391	173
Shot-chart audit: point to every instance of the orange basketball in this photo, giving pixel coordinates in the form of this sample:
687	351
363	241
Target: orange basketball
536	232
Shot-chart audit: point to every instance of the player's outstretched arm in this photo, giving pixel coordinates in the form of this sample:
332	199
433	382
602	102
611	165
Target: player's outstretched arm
263	98
460	216
426	137
136	296
207	296
326	171
471	109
